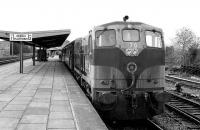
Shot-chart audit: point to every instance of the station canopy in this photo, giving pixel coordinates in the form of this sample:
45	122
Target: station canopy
47	39
60	47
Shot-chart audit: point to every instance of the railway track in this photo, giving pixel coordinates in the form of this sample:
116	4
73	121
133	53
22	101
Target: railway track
188	109
152	125
14	59
189	89
186	82
134	125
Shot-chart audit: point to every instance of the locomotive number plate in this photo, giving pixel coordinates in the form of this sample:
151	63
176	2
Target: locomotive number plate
131	52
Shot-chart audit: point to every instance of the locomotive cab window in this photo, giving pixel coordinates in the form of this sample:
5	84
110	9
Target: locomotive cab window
105	38
131	35
153	39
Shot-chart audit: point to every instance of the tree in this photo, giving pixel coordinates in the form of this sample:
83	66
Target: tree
193	53
169	56
185	38
184	41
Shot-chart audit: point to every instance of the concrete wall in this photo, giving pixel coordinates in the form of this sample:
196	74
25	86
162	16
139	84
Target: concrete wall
4	48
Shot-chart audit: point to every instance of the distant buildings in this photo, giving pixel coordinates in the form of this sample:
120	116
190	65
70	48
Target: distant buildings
10	49
4	48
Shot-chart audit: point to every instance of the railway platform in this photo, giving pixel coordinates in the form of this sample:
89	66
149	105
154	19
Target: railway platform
44	97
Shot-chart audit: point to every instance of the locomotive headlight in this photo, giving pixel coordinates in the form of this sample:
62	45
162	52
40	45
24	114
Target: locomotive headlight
131	67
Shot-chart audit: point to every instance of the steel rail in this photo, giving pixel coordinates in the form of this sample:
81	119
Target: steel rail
180	109
185	114
12	60
192	84
182	79
153	125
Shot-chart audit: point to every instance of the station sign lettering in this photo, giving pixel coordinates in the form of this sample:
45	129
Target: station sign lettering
20	37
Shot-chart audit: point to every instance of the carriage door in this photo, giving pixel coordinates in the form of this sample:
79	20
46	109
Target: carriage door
89	54
81	52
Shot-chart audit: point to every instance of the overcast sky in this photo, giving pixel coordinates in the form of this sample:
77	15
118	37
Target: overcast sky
82	15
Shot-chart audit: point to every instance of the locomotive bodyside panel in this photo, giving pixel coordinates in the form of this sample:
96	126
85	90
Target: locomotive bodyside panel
115	58
152	77
68	55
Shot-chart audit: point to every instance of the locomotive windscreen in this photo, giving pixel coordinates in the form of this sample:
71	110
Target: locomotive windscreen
153	39
130	35
105	38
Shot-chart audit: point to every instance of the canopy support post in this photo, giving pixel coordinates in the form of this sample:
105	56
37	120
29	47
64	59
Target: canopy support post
34	55
21	57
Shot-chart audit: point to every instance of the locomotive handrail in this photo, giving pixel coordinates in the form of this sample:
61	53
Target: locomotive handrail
133	84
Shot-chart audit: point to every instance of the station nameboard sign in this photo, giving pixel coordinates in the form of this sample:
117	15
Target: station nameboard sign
20	37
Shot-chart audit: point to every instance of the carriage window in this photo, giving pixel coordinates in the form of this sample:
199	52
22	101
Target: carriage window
153	39
131	35
105	38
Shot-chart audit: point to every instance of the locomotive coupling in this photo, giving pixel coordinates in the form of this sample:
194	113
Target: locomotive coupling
162	96
107	99
146	96
134	101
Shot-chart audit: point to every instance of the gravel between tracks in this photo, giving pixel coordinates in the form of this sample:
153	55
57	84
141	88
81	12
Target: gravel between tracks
171	121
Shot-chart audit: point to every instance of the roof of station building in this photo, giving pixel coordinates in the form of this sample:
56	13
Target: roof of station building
47	39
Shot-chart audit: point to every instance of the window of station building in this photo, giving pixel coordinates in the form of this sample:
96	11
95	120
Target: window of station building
153	39
105	38
130	35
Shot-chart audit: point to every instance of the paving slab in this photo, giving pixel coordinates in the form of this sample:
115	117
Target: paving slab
31	127
36	111
39	104
11	114
62	129
24	101
22	98
61	115
3	104
8	123
16	107
6	97
60	102
47	100
31	119
45	97
60	108
61	123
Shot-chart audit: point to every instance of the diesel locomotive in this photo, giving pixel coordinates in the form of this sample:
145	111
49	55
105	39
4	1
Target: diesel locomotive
120	65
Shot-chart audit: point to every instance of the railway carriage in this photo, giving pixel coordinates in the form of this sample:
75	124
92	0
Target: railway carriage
121	67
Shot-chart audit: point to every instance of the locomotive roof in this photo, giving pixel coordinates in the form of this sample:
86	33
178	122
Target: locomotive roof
132	23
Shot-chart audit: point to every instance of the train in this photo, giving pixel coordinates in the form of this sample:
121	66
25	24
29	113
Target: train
121	67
